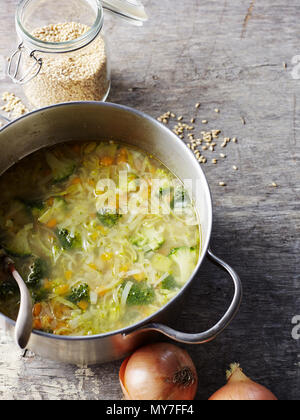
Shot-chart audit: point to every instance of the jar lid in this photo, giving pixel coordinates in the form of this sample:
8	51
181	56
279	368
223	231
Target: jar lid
131	10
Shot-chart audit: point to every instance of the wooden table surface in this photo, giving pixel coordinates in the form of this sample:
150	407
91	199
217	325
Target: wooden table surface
228	55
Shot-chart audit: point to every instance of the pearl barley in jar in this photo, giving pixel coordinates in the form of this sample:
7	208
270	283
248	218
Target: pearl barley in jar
62	56
78	76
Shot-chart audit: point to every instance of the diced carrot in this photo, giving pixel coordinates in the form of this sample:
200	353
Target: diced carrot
122	156
37	324
83	305
106	161
52	223
76	181
101	291
37	309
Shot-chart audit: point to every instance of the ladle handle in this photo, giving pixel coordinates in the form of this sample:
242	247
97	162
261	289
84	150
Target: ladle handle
24	321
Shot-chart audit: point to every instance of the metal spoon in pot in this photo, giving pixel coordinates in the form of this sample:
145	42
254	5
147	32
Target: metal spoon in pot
24	321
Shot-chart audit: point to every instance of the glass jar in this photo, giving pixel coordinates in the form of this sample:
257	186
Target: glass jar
63	54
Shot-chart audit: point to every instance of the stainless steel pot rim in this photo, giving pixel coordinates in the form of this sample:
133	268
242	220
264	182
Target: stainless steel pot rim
177	143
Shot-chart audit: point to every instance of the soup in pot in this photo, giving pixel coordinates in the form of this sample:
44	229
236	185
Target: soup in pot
103	234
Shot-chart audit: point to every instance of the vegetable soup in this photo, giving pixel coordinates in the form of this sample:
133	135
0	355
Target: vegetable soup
103	234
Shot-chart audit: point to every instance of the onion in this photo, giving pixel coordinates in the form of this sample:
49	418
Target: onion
240	388
159	371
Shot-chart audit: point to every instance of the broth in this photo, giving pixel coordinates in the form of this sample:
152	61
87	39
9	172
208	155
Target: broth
103	234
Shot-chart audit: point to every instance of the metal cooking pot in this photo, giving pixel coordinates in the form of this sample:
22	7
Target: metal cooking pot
90	121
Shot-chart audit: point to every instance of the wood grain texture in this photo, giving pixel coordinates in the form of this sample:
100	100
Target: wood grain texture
227	55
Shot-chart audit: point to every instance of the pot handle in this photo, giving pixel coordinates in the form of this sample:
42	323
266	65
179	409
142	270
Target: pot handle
213	332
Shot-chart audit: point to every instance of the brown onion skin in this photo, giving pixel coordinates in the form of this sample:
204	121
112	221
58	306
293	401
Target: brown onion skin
240	388
243	392
148	373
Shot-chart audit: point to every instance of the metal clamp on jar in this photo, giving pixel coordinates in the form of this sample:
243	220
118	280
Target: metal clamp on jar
63	55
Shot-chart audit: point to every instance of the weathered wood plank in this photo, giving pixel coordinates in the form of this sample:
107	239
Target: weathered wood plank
228	55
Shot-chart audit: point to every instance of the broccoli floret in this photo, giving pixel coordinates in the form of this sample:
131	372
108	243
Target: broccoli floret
68	240
40	295
38	271
61	168
18	245
107	218
148	239
33	206
186	260
140	294
169	283
79	293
